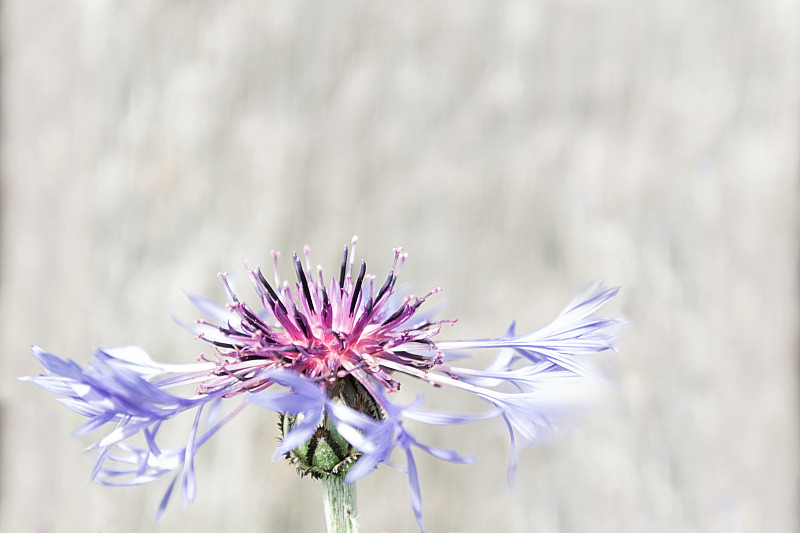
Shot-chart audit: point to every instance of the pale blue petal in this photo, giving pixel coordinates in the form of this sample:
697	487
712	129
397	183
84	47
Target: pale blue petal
162	506
189	486
214	311
413	487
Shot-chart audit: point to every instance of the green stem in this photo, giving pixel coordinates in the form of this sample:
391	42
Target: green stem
340	505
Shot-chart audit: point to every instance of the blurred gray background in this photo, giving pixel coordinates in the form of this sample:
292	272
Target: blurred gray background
516	149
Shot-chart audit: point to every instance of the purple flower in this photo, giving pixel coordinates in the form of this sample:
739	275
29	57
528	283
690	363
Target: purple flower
302	350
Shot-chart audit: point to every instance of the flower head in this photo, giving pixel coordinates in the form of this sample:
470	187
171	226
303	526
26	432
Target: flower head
321	330
327	356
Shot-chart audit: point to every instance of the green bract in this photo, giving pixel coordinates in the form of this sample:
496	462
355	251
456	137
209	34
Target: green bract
327	453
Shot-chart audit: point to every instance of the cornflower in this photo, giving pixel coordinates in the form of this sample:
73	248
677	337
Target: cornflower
326	356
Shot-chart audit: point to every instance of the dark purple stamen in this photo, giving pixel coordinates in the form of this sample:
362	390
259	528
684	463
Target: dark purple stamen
344	268
387	285
271	294
301	275
394	316
257	323
326	309
222	344
364	319
325	301
302	323
357	289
